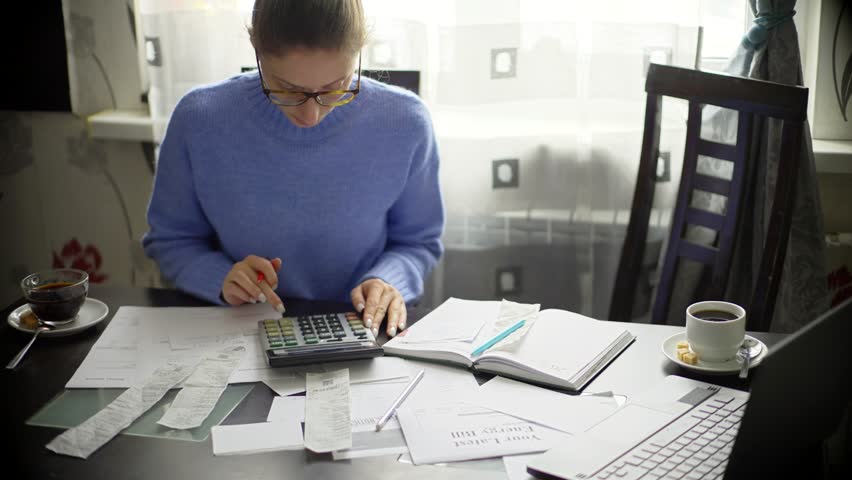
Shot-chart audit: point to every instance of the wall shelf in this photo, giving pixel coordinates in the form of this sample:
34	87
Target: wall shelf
126	125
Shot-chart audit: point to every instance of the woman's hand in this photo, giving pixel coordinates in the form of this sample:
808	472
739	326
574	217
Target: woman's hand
241	285
377	299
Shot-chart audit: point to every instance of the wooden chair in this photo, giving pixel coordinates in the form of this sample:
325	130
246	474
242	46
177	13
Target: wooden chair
752	99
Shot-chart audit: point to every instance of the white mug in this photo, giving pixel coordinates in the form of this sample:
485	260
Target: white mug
715	340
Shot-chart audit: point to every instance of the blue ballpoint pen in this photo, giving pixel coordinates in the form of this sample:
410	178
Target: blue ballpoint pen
490	343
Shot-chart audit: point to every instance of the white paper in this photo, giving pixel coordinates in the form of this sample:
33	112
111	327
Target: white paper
516	466
327	411
286	385
510	314
366	442
567	413
111	362
291	381
204	326
453	433
203	388
287	409
373	444
455	319
138	339
82	440
256	438
372	370
369	401
442	384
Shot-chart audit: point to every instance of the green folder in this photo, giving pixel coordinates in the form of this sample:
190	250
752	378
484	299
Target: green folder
73	406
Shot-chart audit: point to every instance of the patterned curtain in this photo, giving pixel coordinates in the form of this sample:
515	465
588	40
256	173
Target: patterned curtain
769	51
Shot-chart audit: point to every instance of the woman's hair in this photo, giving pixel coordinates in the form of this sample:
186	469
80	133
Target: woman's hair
277	25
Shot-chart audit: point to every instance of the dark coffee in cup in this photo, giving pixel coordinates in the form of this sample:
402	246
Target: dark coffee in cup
714	315
56	295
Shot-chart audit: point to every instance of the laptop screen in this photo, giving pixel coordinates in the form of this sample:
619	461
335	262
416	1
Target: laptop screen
798	397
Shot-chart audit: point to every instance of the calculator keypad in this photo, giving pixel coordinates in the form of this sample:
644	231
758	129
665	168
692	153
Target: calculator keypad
314	330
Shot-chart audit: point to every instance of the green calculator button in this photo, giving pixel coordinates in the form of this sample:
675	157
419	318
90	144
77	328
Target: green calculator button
276	344
291	343
311	340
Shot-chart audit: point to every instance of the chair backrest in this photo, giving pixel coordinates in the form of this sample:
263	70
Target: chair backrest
753	100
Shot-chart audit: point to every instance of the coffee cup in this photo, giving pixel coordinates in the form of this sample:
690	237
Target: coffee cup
56	296
715	330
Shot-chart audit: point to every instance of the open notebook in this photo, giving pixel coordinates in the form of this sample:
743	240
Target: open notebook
562	349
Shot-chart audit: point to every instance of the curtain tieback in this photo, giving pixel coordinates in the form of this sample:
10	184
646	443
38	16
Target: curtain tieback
758	33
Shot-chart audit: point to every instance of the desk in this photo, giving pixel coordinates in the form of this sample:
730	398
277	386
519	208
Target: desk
51	362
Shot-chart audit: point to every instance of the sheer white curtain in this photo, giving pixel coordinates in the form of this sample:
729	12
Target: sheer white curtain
538	108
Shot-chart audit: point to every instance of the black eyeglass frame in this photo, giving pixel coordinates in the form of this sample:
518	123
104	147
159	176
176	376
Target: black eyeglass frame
308	95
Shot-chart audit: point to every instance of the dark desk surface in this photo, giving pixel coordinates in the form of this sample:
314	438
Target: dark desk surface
52	361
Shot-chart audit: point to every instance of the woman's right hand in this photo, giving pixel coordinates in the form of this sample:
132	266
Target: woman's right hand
241	285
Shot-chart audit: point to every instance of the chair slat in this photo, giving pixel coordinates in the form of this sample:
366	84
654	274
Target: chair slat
704	218
711	184
717	150
699	253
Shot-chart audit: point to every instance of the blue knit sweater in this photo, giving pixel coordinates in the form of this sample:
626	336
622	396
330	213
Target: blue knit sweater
352	198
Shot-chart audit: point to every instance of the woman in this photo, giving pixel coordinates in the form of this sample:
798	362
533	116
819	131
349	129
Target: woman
301	179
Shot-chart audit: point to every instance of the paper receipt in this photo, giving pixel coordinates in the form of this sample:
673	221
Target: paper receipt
82	440
327	411
203	388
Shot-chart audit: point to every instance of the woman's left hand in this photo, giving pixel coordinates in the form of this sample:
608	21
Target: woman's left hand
376	300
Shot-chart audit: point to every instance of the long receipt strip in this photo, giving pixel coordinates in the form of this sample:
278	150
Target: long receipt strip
327	423
203	388
82	440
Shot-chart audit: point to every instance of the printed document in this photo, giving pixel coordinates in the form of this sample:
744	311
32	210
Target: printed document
138	339
567	413
453	433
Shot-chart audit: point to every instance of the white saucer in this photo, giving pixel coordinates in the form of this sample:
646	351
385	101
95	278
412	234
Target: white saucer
669	347
91	313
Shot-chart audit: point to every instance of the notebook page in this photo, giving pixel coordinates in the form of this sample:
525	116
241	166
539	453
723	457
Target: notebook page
561	344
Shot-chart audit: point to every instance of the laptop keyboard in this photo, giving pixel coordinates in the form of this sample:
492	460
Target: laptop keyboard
694	446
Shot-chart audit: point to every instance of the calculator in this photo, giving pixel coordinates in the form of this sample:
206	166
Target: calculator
291	341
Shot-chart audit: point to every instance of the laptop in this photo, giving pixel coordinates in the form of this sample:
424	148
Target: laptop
683	428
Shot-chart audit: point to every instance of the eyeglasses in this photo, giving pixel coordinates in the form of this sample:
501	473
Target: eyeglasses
292	98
